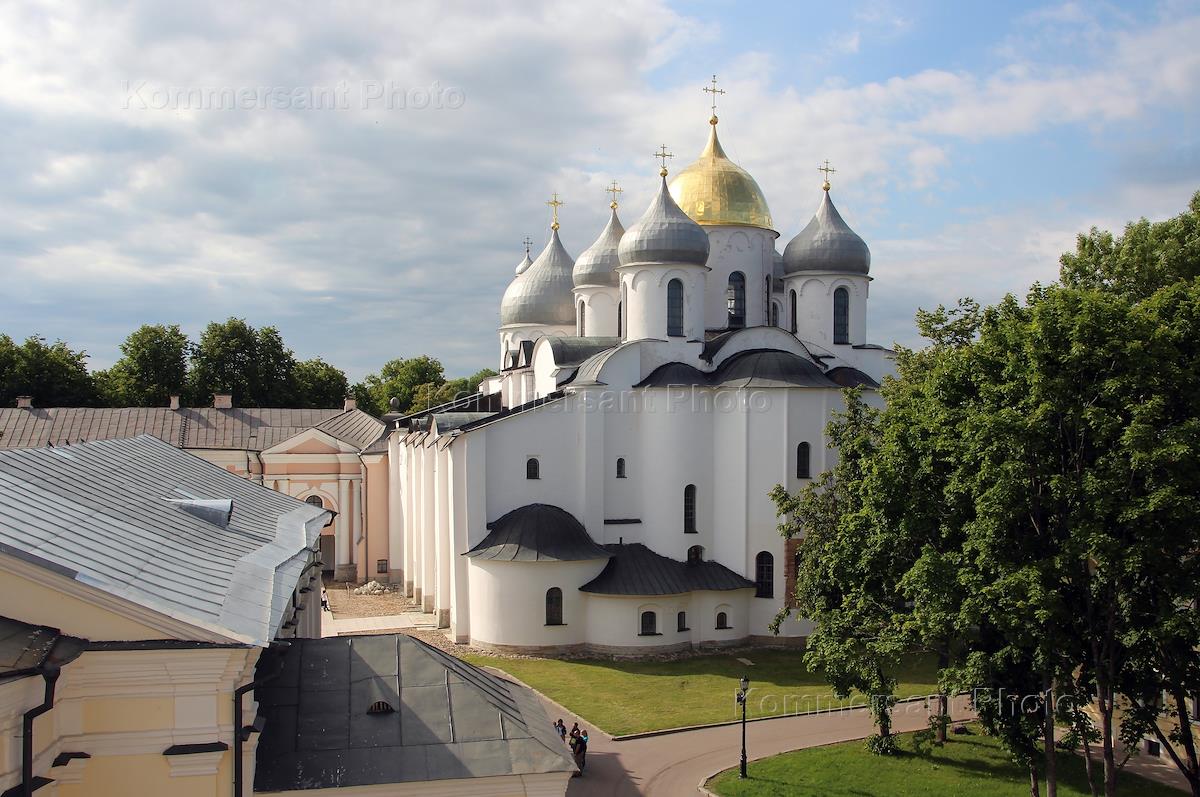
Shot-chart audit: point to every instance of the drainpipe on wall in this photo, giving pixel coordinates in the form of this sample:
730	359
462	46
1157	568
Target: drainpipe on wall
240	733
50	673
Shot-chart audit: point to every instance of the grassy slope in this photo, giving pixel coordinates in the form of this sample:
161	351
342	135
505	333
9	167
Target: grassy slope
967	765
631	696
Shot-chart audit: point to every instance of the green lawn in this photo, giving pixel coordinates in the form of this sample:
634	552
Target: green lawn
631	696
968	765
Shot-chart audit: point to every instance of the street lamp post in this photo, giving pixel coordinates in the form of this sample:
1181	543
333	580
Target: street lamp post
741	698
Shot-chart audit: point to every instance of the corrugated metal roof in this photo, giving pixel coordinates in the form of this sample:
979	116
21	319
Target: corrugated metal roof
251	429
634	569
354	427
103	514
447	719
537	533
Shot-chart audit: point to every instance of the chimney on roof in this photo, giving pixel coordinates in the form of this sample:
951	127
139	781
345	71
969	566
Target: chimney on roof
175	402
25	402
351	404
223	401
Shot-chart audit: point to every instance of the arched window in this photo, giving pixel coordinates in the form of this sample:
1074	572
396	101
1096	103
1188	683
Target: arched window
675	309
795	326
767	301
681	622
841	315
620	467
722	621
764	575
533	469
582	322
735	300
803	461
554	606
649	623
689	509
315	500
620	308
774	314
695	554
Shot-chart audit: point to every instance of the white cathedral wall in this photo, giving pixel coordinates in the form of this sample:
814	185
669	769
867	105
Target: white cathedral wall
645	287
549	433
600	310
749	250
814	306
508	602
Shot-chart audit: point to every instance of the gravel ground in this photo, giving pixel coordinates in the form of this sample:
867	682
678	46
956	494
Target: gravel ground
344	603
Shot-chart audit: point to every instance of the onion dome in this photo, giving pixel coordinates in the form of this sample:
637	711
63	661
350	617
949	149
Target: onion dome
827	244
664	234
595	265
543	293
715	190
524	265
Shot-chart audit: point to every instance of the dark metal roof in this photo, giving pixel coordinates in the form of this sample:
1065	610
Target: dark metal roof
511	411
24	648
574	350
194	427
537	533
752	368
634	569
476	402
102	513
850	377
714	341
448	719
449	421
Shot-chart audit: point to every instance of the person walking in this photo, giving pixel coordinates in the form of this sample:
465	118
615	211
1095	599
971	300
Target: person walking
561	727
580	751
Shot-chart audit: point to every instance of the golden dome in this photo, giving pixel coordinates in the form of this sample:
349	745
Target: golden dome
715	190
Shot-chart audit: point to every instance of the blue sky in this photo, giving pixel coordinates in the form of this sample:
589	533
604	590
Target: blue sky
972	141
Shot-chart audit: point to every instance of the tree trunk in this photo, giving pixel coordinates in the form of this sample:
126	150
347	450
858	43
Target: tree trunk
1033	779
1089	769
943	701
1104	705
1048	742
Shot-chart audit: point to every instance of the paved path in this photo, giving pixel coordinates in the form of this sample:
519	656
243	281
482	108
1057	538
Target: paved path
675	764
385	624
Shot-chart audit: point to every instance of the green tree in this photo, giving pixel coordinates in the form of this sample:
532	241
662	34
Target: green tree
253	364
319	384
54	374
152	368
400	379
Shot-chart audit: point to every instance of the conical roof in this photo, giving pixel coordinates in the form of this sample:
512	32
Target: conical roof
542	294
595	265
664	234
715	190
827	244
524	265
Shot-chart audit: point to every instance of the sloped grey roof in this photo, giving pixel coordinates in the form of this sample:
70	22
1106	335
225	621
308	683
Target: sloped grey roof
537	533
827	244
251	429
748	369
354	427
634	569
850	377
544	292
664	234
569	351
449	421
102	514
596	264
449	719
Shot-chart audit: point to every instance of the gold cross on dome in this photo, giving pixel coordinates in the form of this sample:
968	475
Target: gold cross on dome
828	171
555	204
662	155
614	189
528	243
714	91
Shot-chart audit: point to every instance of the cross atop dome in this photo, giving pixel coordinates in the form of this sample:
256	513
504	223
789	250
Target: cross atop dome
828	171
714	91
662	155
555	203
614	189
528	242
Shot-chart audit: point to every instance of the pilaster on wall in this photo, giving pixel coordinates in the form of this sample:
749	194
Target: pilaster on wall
441	528
396	496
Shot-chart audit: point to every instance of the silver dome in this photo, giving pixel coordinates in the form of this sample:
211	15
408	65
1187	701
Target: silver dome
827	244
595	265
524	265
664	234
543	293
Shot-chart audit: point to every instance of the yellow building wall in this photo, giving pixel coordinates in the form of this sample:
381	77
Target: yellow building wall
38	604
147	776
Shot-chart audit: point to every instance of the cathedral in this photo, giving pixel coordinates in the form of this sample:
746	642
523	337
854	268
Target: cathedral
607	492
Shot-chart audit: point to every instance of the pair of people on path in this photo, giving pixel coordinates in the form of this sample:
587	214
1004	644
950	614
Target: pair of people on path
578	743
